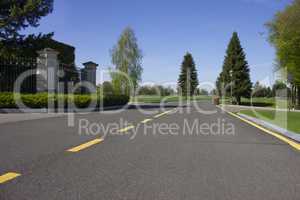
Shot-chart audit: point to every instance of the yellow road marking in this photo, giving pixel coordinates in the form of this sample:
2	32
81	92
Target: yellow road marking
85	145
126	129
162	114
8	176
278	136
146	121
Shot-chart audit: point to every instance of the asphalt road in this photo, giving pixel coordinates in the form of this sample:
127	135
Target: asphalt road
180	154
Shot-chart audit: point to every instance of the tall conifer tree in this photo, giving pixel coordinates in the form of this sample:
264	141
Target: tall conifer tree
188	78
235	76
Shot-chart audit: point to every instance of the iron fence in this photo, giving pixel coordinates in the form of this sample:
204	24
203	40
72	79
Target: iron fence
12	68
70	76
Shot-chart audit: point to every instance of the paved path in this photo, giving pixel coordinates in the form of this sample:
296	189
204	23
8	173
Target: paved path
165	164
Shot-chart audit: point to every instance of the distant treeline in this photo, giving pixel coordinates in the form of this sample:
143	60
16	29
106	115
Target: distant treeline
279	89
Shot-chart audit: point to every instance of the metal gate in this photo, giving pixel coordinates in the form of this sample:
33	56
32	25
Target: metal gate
12	68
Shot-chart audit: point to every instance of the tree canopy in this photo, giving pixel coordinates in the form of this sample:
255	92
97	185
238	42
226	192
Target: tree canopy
158	90
127	57
284	34
15	16
260	90
188	78
235	76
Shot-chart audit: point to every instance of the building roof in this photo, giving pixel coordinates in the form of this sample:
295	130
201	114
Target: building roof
90	64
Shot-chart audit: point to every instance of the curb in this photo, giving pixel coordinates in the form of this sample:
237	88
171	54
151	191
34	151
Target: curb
255	107
279	136
16	111
45	110
268	125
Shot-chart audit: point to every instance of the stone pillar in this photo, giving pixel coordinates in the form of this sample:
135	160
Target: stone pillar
89	73
47	68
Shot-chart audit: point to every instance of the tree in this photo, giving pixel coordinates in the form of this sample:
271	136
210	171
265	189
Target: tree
147	90
204	92
279	89
260	90
219	86
200	91
284	34
127	57
106	87
156	90
213	92
235	76
269	92
188	78
165	91
16	15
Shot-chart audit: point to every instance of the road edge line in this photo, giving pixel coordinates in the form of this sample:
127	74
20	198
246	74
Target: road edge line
274	134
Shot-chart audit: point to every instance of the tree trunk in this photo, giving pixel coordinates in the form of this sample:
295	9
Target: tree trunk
238	100
292	96
298	97
294	93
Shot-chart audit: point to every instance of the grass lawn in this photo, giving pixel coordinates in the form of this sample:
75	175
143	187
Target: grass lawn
287	120
261	102
159	99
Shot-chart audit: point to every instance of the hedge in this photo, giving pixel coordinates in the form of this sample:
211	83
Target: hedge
40	100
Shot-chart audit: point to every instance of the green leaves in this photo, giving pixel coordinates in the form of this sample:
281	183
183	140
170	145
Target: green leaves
127	57
16	15
284	34
19	14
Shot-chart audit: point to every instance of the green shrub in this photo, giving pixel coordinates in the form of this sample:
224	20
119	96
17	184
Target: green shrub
84	101
40	100
7	100
36	100
113	100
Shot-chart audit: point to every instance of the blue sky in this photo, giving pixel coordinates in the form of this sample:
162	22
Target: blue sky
166	30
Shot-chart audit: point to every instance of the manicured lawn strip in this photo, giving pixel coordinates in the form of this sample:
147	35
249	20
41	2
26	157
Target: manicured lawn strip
159	99
261	102
289	120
